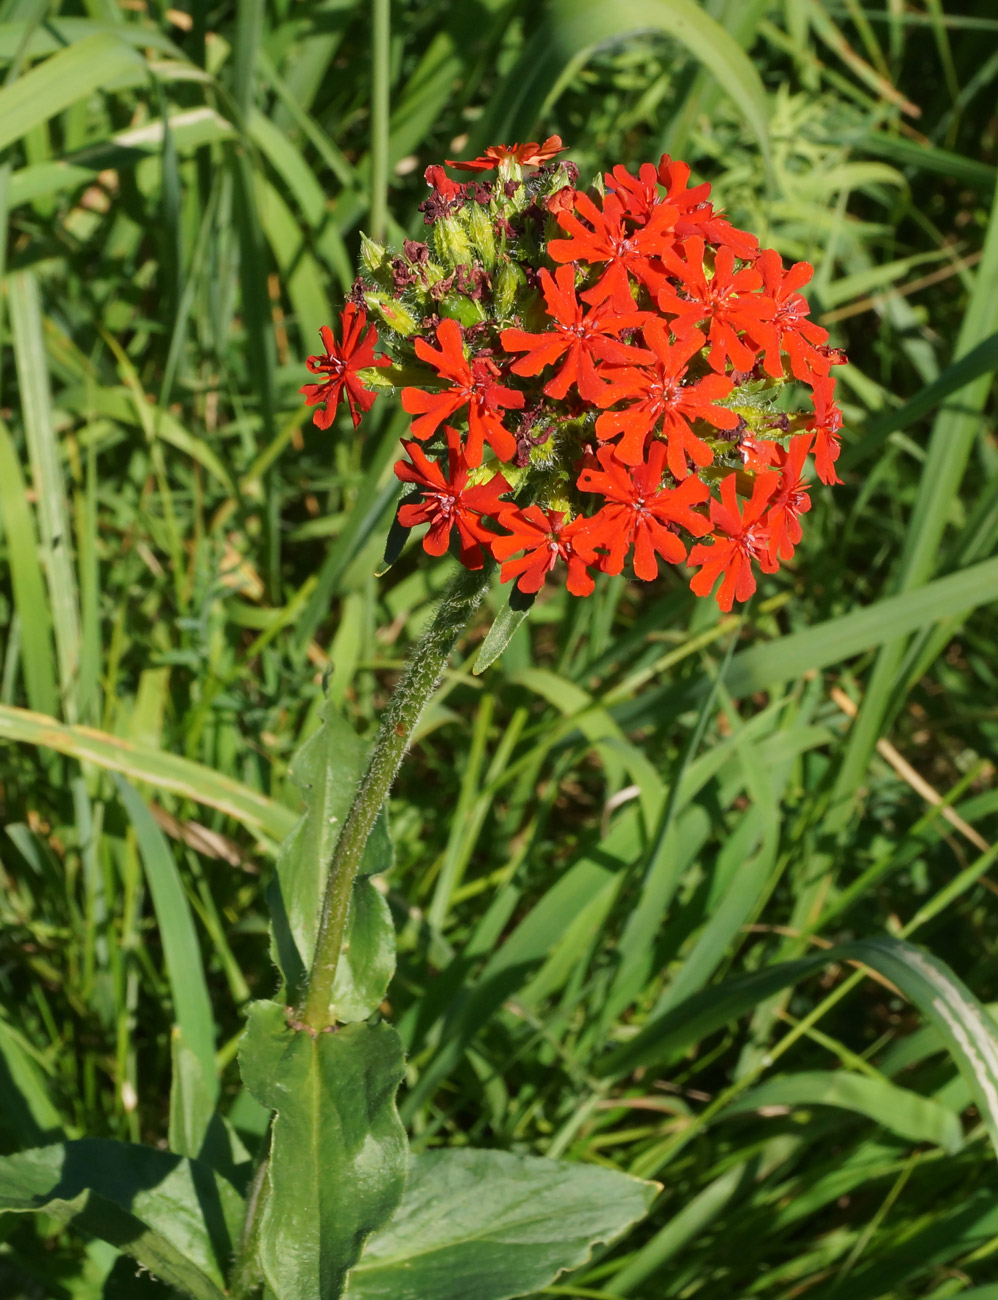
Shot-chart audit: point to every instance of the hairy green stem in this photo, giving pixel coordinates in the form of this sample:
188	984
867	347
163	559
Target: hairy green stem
419	680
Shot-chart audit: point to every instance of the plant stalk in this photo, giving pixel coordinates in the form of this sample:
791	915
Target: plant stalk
419	680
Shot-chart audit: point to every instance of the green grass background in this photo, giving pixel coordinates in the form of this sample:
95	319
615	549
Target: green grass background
643	798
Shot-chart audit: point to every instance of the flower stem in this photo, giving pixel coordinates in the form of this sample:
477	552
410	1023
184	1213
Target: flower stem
419	680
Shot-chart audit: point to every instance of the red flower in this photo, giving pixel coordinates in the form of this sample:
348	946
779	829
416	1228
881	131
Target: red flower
826	423
695	216
341	362
757	453
624	252
789	330
638	194
640	512
725	299
791	499
576	337
739	539
544	538
531	154
664	401
472	385
436	177
447	501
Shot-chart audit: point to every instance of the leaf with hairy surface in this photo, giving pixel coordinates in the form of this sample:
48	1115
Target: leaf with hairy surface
338	1149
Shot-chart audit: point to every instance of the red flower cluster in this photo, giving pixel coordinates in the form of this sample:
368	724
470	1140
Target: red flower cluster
614	363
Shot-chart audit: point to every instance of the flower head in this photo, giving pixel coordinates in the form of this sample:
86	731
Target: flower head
624	360
581	339
659	401
641	511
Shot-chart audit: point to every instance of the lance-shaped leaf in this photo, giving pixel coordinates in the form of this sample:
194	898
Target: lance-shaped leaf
338	1149
173	1215
501	632
327	769
488	1225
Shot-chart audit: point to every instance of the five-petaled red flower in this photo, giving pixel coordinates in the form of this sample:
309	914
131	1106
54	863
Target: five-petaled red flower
447	502
739	538
660	400
625	252
341	363
640	512
544	537
725	299
531	154
791	499
581	338
473	384
825	424
789	330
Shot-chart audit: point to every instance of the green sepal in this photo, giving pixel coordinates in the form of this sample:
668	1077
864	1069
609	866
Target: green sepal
392	313
482	235
451	243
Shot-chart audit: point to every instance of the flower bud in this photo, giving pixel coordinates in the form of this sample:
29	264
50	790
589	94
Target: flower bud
452	244
506	285
392	313
372	255
458	306
482	235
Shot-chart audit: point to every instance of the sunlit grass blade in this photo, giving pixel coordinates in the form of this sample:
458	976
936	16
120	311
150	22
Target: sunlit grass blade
161	770
48	481
37	657
67	76
181	949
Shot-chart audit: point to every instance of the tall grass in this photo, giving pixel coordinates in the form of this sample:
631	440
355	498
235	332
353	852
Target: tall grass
605	841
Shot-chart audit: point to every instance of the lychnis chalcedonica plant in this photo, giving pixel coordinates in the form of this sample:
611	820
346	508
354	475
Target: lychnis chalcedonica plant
601	381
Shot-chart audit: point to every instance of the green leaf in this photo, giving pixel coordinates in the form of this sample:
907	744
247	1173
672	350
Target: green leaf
900	1111
501	633
968	1030
185	971
338	1149
17	521
47	476
703	1013
193	1095
72	74
327	769
486	1225
172	1215
145	763
367	961
575	29
26	1109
